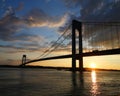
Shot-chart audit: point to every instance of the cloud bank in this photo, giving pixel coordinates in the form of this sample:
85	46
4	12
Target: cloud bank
96	10
11	24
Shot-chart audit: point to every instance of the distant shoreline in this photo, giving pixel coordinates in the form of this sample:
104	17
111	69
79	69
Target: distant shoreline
57	68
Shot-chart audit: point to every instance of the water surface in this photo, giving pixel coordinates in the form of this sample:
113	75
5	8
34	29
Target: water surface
51	82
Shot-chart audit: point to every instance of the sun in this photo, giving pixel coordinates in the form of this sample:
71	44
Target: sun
92	65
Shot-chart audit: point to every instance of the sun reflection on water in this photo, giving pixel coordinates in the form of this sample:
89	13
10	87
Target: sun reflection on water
94	89
93	75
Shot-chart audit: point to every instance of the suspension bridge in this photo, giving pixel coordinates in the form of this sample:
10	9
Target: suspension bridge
87	39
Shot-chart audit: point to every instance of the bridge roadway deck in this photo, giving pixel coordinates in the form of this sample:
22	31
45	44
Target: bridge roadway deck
94	53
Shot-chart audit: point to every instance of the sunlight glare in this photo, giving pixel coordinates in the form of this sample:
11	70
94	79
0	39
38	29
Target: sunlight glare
93	65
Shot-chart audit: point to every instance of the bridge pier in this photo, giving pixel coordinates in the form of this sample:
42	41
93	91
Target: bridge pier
77	25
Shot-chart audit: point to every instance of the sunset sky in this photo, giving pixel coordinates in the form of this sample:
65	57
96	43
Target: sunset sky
31	26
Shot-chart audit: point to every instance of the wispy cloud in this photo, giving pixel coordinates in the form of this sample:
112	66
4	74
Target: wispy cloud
11	24
24	42
38	18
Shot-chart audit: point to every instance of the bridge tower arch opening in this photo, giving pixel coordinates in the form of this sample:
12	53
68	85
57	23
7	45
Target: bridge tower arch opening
76	25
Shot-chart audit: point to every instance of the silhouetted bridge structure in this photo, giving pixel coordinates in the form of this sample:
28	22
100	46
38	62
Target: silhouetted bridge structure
95	39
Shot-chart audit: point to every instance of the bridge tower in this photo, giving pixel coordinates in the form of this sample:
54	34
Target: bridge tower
76	25
23	60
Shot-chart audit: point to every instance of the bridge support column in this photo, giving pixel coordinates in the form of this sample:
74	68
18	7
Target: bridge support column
73	47
80	48
77	25
23	60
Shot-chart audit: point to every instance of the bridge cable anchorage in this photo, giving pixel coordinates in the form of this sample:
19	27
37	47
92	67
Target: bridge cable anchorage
54	44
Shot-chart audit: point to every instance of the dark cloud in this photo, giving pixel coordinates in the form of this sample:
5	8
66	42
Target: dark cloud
96	10
9	26
22	47
100	10
24	42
